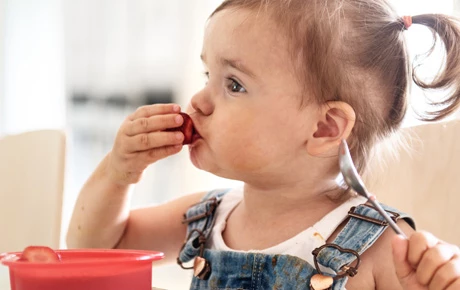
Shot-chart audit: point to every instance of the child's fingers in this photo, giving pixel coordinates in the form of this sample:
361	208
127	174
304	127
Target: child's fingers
419	242
162	152
454	286
148	141
433	259
447	275
156	109
400	249
152	124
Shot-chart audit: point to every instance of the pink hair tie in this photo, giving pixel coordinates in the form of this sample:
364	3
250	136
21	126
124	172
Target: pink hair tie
407	21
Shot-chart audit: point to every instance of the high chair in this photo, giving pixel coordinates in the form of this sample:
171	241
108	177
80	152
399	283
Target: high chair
31	189
424	180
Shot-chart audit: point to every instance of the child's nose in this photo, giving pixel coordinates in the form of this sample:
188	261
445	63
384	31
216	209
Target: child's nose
202	102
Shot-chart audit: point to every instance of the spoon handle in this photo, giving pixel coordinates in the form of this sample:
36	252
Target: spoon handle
385	215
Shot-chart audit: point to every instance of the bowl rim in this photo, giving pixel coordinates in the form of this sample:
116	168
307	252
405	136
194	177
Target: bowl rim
12	258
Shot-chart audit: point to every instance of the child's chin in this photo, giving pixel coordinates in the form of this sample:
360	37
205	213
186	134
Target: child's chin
194	158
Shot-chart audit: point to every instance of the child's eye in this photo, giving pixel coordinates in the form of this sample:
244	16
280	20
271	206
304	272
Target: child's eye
235	87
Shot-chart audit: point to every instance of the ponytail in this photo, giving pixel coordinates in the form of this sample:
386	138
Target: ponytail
446	29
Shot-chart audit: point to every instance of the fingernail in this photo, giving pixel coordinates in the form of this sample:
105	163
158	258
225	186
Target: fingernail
178	119
176	108
178	136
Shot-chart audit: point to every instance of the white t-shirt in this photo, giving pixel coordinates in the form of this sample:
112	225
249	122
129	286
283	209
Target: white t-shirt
300	245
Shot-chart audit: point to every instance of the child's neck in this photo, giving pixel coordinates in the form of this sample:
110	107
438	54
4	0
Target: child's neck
266	203
265	218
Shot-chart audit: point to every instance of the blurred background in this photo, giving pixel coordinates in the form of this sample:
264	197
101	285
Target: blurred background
84	65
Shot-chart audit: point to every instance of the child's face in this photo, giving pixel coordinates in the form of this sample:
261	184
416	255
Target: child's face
249	111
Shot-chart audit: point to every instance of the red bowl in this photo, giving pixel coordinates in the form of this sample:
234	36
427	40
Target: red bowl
88	269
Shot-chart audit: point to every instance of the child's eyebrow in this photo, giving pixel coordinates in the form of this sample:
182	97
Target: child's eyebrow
236	64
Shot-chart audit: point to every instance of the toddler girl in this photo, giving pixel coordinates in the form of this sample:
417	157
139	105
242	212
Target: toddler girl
287	81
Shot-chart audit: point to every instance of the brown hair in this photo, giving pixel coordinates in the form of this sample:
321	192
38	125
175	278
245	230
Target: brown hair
354	51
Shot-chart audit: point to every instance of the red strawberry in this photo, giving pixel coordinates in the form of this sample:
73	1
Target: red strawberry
187	129
39	254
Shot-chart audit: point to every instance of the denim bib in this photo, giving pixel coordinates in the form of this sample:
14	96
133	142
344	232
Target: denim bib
250	271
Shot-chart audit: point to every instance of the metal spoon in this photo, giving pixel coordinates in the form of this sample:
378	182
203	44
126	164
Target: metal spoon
352	178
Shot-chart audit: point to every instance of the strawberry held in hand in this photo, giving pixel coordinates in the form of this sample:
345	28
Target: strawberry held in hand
187	129
39	254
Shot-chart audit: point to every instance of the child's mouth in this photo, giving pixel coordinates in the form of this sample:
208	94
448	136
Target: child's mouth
195	136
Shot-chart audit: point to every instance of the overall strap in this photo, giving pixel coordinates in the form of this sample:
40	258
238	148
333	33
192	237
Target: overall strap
362	230
200	219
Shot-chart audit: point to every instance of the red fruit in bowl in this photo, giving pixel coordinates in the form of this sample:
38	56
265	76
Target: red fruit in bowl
39	254
186	128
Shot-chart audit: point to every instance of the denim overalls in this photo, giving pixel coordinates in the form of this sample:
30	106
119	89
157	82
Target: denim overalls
243	271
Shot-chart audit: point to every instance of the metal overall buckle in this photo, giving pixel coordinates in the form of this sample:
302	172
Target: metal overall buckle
201	267
323	282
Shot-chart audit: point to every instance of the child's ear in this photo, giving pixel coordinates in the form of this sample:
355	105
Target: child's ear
335	122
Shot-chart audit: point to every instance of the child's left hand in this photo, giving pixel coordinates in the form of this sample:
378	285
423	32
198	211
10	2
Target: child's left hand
425	262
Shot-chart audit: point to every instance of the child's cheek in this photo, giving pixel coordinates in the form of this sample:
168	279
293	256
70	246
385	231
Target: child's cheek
242	152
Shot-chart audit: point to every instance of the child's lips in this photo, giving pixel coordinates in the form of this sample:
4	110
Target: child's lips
195	135
195	130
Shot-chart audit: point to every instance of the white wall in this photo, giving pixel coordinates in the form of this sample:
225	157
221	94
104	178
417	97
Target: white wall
33	66
2	62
